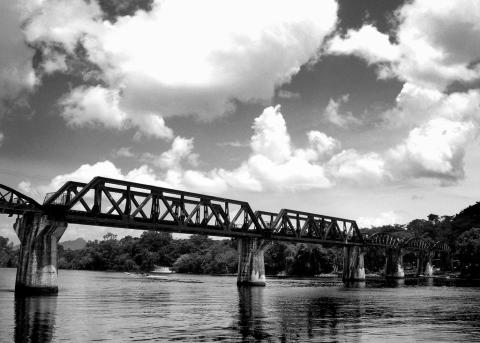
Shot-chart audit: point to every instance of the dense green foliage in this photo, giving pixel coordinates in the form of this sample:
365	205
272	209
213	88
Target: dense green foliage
200	254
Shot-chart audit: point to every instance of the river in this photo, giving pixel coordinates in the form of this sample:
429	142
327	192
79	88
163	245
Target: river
117	307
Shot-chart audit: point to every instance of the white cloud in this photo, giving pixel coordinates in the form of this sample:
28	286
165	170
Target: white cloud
415	105
173	60
17	76
271	138
320	147
435	149
367	43
360	168
63	23
273	165
440	128
97	105
276	165
181	150
334	116
2	136
385	218
437	43
93	105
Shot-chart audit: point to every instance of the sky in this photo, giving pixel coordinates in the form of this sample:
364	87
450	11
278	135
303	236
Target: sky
367	110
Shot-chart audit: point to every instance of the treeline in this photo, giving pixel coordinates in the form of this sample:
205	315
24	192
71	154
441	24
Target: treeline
200	254
197	254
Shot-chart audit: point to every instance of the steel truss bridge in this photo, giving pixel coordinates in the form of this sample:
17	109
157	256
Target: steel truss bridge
123	204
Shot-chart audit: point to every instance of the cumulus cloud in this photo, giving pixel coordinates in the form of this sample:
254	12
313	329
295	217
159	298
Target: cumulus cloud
440	128
274	164
353	166
435	149
173	59
17	76
436	43
334	116
181	150
367	42
384	218
94	105
415	105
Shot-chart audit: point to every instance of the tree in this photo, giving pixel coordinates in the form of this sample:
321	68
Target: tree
468	252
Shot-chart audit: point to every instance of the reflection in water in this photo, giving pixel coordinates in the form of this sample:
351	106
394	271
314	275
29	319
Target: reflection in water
320	318
35	318
355	284
251	316
395	282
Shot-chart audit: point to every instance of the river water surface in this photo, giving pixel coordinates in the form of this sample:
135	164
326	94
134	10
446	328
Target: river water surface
117	307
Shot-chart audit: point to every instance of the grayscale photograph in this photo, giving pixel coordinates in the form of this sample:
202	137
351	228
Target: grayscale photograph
239	171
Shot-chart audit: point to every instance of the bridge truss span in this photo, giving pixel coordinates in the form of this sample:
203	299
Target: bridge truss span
304	225
13	202
117	203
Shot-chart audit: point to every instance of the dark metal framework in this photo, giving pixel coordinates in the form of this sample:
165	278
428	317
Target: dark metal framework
118	203
409	243
13	202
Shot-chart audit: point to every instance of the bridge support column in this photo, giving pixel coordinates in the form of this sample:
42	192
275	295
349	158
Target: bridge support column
353	267
424	264
394	264
37	265
251	266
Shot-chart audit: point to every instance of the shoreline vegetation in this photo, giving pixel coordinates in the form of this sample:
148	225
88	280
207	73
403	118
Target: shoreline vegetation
202	255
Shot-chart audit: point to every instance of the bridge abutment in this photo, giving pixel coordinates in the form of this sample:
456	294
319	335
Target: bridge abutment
394	264
353	264
37	265
251	265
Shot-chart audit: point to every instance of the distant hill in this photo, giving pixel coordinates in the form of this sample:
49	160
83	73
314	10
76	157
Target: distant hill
76	244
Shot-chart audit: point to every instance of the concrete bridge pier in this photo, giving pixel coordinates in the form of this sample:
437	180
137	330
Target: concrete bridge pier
37	265
394	264
424	264
251	266
353	266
